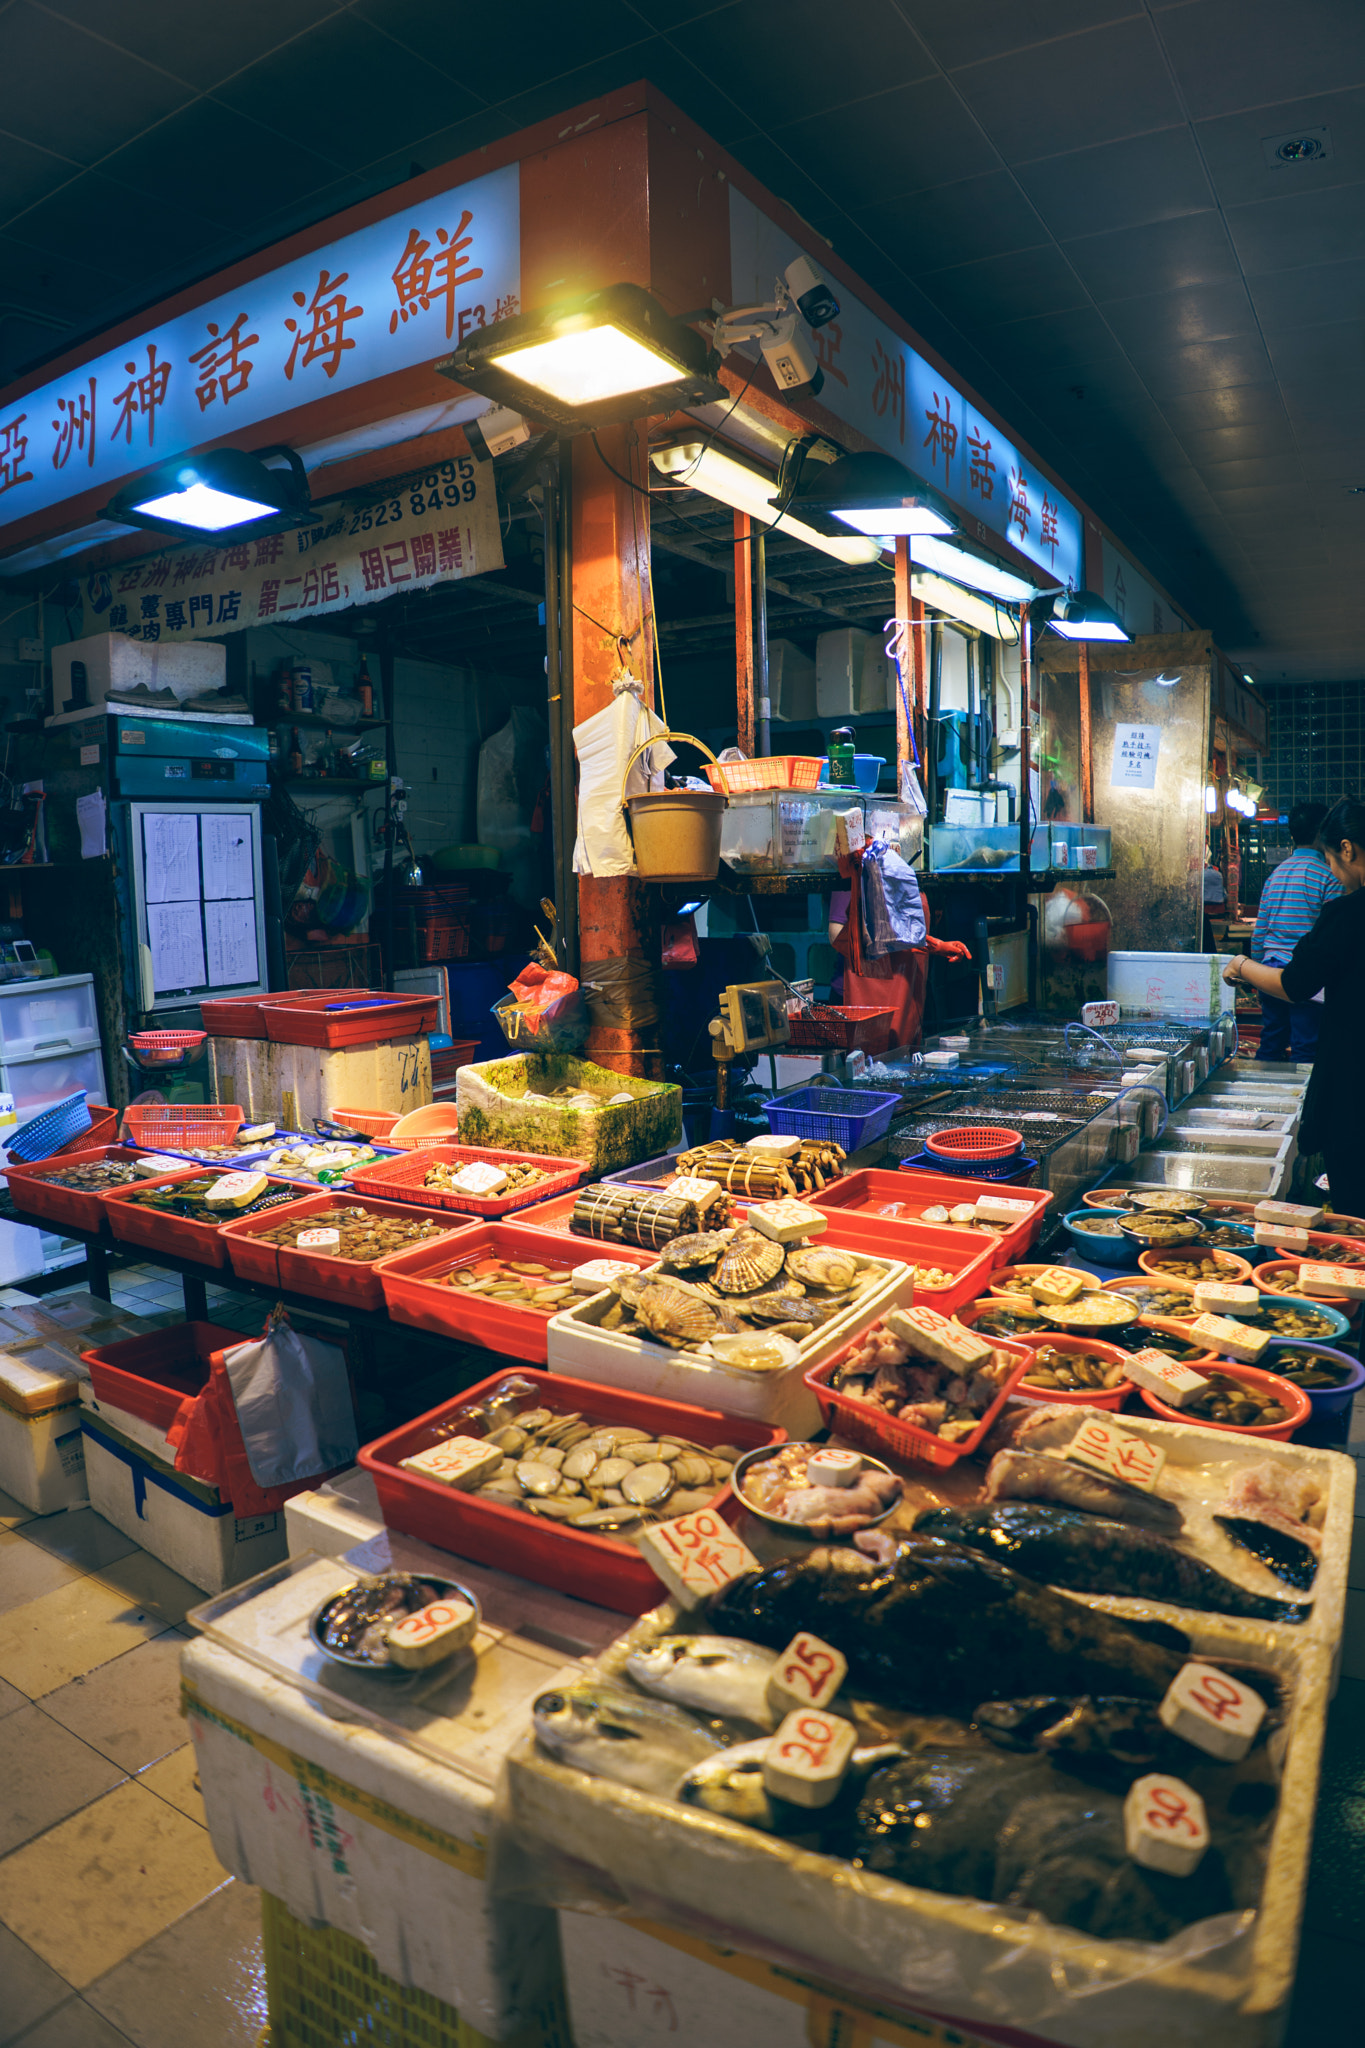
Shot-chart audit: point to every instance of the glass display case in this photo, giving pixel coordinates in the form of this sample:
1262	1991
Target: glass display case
974	849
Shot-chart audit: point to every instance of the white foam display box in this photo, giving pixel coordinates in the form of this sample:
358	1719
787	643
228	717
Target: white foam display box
1170	984
791	682
132	1480
612	1358
42	1459
852	673
310	1795
289	1085
114	662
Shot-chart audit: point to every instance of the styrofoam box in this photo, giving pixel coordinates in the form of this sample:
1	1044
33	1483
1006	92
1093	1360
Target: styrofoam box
132	1480
114	662
791	682
852	673
612	1358
1170	984
42	1460
289	1085
321	1796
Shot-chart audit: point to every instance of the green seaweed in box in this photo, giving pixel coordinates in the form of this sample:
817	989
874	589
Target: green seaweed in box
553	1103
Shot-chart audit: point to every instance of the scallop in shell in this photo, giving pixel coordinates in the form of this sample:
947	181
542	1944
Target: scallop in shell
748	1262
698	1248
671	1313
823	1265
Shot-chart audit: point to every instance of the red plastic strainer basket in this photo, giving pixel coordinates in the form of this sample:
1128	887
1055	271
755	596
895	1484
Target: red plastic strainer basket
975	1141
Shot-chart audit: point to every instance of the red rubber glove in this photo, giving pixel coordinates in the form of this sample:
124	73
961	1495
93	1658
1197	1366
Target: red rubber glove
949	949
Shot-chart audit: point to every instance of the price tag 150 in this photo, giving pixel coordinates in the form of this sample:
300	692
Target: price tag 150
695	1555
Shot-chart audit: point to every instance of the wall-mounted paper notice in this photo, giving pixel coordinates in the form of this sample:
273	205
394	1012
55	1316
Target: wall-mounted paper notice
170	850
90	816
230	929
226	844
1135	756
177	943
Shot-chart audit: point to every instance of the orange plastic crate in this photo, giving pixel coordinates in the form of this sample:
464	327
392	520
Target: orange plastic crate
402	1180
305	1272
873	1429
33	1193
181	1236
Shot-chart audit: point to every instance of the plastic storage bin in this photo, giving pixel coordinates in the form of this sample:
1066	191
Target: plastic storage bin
403	1179
1070	846
39	1084
548	1553
776	830
57	1015
335	1017
850	1117
181	1237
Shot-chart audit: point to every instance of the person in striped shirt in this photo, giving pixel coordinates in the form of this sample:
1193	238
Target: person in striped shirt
1291	898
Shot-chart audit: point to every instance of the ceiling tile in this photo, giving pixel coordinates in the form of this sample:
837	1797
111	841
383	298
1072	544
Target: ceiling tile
1251	53
75	95
1241	403
1056	350
1090	88
1208	366
703	16
788	66
1294	233
24	340
1314	296
1166	256
1234	444
1119	184
1202	312
70	289
199	44
965	31
348	93
906	140
955	224
703	97
27	175
1008	287
1279	471
494	56
1232	147
1333	355
265	168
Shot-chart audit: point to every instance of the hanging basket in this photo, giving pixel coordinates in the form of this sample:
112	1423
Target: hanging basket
675	832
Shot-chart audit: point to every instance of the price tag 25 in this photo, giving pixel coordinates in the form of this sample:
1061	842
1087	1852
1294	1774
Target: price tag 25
808	1673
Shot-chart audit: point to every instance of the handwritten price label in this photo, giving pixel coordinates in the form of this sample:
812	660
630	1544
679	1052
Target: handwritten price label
1165	1825
808	1756
461	1461
1215	1712
433	1632
1165	1377
1117	1454
807	1674
1220	1333
1344	1280
695	1555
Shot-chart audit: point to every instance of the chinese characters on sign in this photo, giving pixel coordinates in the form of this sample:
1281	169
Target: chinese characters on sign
1135	752
386	298
890	393
440	526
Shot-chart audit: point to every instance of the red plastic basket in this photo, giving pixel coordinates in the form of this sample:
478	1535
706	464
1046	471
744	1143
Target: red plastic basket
171	1043
573	1561
371	1123
401	1180
975	1141
181	1236
772	771
184	1125
881	1199
240	1016
851	1027
150	1376
332	1018
33	1193
413	1294
318	1273
103	1130
872	1429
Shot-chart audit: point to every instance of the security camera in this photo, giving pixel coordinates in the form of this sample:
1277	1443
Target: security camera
495	432
814	297
793	362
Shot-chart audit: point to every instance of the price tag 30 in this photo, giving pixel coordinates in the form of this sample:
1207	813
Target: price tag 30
1165	1825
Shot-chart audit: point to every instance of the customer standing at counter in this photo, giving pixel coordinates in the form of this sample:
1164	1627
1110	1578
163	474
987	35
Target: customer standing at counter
1291	899
1331	957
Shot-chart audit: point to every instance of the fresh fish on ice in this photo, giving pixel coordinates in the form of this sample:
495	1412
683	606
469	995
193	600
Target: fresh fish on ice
714	1674
1089	1553
1288	1554
1035	1475
611	1732
1275	1513
731	1786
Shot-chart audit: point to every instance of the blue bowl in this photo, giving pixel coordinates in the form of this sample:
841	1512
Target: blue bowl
1341	1324
1101	1251
1326	1400
1246	1246
866	769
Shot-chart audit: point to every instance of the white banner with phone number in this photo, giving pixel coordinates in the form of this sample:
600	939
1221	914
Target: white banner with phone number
436	528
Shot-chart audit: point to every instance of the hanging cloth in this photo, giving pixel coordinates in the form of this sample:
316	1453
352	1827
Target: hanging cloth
604	744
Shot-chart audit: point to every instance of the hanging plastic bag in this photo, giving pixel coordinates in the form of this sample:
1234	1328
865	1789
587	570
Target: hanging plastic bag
293	1402
604	744
543	1011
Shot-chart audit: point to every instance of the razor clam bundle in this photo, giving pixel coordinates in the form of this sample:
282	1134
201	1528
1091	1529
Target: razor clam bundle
761	1175
648	1217
738	1296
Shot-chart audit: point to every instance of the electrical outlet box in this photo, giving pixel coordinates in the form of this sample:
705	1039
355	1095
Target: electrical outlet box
31	650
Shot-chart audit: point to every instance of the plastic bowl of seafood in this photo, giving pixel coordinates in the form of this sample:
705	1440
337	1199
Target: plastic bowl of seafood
1076	1371
1018	1279
1097	1236
1242	1398
1188	1266
360	1626
1009	1319
1281	1276
1294	1319
1156	1232
1330	1378
815	1493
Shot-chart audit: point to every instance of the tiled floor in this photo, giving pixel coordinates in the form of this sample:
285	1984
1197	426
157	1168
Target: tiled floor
118	1926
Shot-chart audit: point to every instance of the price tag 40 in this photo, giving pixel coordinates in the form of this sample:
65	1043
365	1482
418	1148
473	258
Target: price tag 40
807	1674
808	1757
1214	1711
1165	1825
695	1555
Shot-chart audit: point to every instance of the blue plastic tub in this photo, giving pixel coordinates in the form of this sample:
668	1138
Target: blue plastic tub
1341	1325
851	1117
1326	1400
1100	1251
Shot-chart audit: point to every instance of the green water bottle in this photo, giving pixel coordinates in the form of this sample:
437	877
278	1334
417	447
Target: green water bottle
840	775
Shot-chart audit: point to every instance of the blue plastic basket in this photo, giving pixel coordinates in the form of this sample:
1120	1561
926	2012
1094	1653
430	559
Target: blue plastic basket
40	1138
850	1117
970	1169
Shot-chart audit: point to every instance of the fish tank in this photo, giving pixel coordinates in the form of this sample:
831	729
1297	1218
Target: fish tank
1079	847
773	831
973	849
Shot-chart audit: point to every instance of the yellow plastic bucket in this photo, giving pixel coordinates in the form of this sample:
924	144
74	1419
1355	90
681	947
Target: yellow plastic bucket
676	832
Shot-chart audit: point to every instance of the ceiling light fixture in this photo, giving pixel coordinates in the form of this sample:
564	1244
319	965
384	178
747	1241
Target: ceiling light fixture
228	492
720	475
872	493
1080	615
968	565
604	357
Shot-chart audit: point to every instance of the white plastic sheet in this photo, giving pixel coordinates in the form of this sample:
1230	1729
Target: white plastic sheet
604	744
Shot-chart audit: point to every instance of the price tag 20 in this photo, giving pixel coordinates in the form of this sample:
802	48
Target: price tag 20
1212	1710
808	1757
1165	1825
695	1555
808	1673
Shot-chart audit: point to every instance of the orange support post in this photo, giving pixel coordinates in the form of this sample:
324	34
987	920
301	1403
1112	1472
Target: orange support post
744	635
